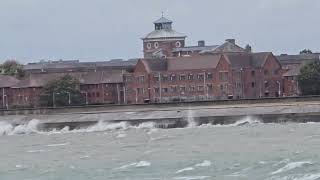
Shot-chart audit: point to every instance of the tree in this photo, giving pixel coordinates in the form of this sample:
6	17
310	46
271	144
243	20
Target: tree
306	51
62	92
12	68
309	79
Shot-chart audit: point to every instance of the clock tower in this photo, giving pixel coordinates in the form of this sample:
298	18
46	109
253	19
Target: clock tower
160	42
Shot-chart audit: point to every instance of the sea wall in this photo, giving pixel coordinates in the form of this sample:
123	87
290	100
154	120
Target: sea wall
174	115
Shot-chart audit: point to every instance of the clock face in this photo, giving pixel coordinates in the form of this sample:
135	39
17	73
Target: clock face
156	45
178	44
149	46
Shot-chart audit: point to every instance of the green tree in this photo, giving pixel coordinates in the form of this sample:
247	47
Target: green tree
12	68
62	92
306	51
309	79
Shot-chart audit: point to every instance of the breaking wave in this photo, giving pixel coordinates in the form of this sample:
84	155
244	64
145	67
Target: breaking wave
34	126
291	166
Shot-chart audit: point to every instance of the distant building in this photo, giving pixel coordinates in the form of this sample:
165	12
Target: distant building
63	66
161	42
291	65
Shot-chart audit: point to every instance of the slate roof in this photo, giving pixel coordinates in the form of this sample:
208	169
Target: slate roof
195	48
34	81
7	81
298	59
239	60
153	65
193	62
293	72
259	59
164	33
77	64
226	47
162	20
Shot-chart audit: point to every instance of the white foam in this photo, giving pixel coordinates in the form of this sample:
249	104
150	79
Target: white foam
309	177
291	166
9	129
56	145
139	164
143	164
192	177
37	151
205	163
5	128
184	170
121	135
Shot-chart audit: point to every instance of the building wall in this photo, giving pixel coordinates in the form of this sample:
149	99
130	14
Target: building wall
167	47
25	97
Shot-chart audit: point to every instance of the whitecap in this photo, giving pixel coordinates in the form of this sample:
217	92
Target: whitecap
184	170
37	151
56	145
143	164
192	177
205	163
291	166
121	135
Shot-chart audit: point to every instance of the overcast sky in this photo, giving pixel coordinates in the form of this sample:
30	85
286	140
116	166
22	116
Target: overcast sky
91	30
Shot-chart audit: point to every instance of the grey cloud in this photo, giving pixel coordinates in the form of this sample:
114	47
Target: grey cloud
102	29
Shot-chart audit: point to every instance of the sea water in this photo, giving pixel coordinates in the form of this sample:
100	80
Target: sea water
246	150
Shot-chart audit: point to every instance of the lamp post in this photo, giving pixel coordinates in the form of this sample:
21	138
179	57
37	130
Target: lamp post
69	97
279	88
86	93
160	88
53	100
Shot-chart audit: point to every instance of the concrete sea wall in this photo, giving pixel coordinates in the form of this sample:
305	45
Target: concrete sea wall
174	115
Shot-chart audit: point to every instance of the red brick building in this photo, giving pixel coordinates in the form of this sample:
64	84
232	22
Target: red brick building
225	72
6	95
161	42
291	65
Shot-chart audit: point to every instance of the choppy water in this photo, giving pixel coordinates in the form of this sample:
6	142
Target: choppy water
252	151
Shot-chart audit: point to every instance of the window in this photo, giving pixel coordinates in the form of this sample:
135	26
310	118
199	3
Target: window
223	76
173	89
182	88
156	90
141	79
156	45
140	90
210	87
182	77
200	88
253	84
190	77
155	78
165	78
178	44
276	72
98	94
266	84
266	72
149	46
164	90
200	76
192	88
173	77
253	73
209	76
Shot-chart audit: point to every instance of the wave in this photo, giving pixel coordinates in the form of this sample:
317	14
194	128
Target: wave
192	177
29	128
184	170
34	127
139	164
205	163
291	166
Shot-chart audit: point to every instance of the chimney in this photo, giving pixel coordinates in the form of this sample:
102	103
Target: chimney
233	41
248	48
201	43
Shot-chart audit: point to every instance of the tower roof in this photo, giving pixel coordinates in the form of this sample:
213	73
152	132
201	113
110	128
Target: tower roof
162	20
